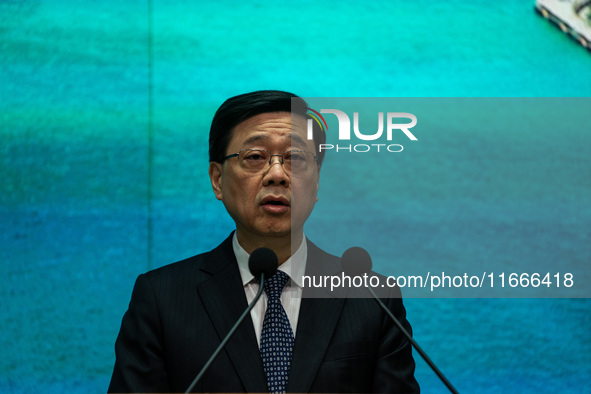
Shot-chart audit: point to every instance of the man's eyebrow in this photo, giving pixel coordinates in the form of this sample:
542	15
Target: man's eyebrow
255	138
295	139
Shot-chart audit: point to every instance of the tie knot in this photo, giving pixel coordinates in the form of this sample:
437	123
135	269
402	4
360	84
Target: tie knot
275	284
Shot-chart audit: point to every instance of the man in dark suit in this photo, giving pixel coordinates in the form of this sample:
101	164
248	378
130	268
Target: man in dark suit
266	172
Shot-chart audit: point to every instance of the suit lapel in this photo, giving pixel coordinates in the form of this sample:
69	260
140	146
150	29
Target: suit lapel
224	299
319	314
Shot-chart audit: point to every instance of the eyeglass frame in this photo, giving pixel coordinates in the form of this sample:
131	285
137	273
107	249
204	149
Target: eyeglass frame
282	161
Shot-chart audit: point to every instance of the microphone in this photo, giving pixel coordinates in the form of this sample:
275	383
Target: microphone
357	262
262	264
263	261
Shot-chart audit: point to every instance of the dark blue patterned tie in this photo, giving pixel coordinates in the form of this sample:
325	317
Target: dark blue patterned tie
276	336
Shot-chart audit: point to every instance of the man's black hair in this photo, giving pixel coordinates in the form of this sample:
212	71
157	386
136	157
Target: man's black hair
242	107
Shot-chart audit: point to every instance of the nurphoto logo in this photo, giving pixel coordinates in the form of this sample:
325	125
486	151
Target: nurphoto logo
344	134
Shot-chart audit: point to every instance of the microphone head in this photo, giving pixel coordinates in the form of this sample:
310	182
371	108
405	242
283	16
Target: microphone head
356	261
263	261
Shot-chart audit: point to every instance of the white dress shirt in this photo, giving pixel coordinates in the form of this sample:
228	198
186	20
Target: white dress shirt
291	297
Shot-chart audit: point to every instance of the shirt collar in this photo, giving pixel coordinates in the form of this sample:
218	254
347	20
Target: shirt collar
294	267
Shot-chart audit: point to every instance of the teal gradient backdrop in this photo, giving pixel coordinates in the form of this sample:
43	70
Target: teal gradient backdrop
104	114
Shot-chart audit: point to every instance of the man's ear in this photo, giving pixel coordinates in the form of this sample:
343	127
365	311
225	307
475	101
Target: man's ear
215	176
317	184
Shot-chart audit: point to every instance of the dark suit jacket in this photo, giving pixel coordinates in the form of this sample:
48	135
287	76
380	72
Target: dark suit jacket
179	314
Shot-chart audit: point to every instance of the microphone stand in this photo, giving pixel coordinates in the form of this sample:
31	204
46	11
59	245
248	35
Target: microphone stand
414	343
228	336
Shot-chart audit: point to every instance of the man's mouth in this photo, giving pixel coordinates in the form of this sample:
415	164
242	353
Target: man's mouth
275	204
272	200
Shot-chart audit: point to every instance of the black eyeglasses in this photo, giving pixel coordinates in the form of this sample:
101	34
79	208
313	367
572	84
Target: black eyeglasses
255	160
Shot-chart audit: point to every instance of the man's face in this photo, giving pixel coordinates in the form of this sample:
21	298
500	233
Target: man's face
271	202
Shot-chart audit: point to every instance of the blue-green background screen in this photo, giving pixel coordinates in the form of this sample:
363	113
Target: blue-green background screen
104	118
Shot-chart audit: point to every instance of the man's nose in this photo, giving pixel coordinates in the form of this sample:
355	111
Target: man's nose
276	173
279	159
